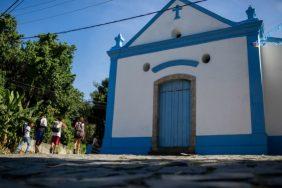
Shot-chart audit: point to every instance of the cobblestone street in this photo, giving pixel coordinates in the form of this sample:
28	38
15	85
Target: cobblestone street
139	171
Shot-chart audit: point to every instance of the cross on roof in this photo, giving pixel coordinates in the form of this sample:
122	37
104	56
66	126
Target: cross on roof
177	9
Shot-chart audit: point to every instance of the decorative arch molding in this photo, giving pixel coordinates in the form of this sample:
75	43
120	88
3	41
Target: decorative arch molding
179	62
155	134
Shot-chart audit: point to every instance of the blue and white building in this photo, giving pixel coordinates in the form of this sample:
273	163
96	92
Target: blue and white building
192	81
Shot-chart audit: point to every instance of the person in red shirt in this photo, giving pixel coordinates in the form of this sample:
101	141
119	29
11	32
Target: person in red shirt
56	135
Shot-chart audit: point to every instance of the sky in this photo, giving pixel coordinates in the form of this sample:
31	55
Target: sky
91	62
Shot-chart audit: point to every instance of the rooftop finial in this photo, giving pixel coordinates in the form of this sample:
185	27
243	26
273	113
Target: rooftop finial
119	42
251	12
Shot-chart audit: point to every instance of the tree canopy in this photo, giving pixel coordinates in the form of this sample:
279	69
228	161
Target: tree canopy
39	69
37	75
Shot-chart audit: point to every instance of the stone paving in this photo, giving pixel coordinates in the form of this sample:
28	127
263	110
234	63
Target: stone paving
140	171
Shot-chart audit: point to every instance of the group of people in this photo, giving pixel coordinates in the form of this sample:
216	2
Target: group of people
40	129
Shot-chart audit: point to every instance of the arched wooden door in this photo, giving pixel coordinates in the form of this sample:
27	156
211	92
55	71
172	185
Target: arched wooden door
174	124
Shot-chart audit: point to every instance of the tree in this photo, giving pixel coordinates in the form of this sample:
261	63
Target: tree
10	50
99	95
48	70
39	70
99	99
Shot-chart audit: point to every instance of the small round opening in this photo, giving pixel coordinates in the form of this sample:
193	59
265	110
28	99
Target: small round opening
176	33
206	58
146	67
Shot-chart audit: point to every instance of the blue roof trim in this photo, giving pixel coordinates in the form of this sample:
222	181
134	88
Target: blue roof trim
107	141
274	40
149	23
208	12
255	84
180	62
237	31
194	5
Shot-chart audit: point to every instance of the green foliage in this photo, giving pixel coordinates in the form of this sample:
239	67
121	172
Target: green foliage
89	132
12	117
37	70
68	133
48	70
99	100
2	82
99	95
98	108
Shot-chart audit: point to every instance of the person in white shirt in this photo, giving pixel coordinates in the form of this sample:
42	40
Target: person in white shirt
41	125
26	137
56	134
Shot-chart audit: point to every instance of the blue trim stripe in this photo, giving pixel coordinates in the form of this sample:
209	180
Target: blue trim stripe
274	40
255	82
231	144
130	145
215	144
180	62
231	140
110	105
275	145
243	29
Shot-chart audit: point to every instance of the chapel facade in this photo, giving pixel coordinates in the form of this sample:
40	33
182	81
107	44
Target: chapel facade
192	81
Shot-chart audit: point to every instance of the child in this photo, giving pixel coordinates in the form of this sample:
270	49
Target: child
26	137
56	135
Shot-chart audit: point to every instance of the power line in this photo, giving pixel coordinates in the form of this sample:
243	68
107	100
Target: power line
9	8
16	6
36	5
44	8
112	22
64	13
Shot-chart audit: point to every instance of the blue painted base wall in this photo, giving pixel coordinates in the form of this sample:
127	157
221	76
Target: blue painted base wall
275	145
232	144
220	144
130	145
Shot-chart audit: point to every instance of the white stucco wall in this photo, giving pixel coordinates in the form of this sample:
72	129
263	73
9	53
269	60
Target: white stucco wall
222	89
272	79
192	21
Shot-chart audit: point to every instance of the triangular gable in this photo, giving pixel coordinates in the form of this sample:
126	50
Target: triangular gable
193	19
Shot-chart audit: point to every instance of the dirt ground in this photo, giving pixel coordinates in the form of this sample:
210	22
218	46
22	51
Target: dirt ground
140	171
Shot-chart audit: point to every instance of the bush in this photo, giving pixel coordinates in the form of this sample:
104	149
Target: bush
12	118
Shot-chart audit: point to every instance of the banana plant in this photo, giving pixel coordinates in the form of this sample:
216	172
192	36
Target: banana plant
12	117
